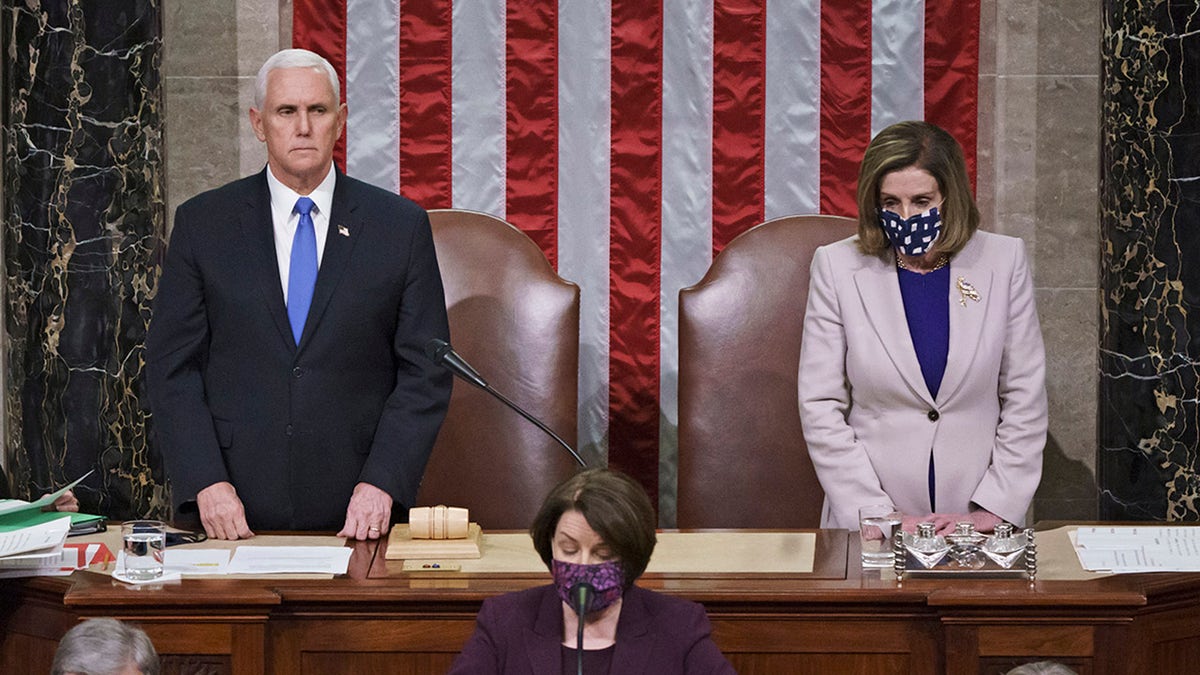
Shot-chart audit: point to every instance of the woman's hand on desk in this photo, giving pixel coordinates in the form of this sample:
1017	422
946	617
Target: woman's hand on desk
943	523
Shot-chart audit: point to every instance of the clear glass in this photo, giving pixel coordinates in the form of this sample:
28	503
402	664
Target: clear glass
925	546
877	527
143	542
966	546
1004	547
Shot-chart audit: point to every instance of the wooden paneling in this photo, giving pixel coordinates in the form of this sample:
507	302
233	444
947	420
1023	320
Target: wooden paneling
841	619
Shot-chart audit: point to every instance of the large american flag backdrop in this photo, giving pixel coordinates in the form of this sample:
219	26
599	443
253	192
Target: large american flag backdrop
633	139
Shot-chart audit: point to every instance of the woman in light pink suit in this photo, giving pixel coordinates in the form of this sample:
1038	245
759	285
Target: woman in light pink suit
922	371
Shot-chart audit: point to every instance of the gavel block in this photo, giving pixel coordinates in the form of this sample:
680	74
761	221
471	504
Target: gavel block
435	533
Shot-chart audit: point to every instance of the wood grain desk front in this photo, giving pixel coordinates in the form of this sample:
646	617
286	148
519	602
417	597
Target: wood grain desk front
837	619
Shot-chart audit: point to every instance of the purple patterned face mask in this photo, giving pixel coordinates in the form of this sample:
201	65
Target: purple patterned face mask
912	236
607	578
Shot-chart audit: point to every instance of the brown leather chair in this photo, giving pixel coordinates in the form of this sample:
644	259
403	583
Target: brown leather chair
742	457
517	322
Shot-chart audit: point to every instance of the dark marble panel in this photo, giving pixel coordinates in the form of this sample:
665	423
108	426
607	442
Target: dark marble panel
1150	275
83	224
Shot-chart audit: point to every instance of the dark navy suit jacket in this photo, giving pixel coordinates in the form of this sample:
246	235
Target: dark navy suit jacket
520	633
295	427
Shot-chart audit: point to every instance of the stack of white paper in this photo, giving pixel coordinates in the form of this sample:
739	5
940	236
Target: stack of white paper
1138	549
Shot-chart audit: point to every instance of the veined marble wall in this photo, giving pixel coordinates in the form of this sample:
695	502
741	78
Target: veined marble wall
83	218
1150	212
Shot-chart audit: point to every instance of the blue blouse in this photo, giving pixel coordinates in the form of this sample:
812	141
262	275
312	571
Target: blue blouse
927	311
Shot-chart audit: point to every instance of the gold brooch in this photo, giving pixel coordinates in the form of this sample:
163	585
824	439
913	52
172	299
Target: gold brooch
966	290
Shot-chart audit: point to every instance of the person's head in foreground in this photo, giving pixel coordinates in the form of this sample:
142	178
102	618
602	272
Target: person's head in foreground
597	527
594	531
105	647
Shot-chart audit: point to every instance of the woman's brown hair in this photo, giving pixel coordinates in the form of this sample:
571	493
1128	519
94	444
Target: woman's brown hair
924	146
614	505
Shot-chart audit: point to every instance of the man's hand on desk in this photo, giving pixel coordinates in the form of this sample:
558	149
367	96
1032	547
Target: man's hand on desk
369	513
222	513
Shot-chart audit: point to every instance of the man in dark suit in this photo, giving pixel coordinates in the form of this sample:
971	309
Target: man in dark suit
285	367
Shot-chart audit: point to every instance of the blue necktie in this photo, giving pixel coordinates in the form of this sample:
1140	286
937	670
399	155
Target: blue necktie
302	275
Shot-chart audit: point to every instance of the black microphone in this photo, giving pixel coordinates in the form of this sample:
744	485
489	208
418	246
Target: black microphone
581	597
440	352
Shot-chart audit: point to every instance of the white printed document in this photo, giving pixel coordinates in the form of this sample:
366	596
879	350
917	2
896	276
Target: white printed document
1138	548
48	535
195	561
290	560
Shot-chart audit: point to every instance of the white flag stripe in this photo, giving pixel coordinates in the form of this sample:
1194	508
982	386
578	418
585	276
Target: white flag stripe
687	176
372	99
792	168
584	151
687	172
478	106
897	62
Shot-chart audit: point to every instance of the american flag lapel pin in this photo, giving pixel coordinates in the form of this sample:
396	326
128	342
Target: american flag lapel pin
343	230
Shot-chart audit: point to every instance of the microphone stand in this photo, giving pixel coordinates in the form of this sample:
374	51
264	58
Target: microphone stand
582	593
536	422
440	352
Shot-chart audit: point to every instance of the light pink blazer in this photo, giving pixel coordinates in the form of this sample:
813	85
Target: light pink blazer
869	420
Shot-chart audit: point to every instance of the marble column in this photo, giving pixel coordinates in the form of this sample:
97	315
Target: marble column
83	224
1150	272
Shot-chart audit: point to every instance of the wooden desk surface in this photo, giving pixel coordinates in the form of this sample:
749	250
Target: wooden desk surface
840	618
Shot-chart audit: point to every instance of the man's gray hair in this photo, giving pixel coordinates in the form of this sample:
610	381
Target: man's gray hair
294	58
1042	668
104	647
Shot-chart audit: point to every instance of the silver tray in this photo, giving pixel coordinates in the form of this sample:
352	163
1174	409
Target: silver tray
1025	566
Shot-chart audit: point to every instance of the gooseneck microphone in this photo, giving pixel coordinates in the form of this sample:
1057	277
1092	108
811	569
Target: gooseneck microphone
440	352
581	597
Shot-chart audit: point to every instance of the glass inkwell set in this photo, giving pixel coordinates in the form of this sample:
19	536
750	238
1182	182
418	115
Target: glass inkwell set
1006	552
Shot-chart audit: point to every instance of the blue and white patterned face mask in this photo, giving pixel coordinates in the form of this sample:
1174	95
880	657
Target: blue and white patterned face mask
914	236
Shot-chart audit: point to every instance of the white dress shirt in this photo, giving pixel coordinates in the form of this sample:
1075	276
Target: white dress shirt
285	218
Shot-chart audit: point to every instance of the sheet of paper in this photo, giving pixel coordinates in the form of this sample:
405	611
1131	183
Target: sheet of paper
195	561
44	535
1138	548
11	505
43	558
290	560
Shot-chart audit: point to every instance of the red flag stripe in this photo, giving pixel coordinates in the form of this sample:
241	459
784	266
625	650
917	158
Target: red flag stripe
845	100
425	143
952	72
320	26
636	238
532	148
739	105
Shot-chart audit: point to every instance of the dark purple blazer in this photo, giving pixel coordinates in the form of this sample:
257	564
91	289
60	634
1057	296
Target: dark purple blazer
519	633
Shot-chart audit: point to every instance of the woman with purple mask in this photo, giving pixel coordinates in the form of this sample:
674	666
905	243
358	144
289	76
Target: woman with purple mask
922	370
595	531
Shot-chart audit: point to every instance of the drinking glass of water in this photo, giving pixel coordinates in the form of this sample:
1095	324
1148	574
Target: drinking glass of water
878	525
143	542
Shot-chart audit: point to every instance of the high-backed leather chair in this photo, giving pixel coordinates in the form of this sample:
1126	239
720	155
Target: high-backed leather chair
517	322
742	457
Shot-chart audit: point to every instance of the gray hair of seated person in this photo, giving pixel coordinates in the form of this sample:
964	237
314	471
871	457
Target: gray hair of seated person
1041	668
104	647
